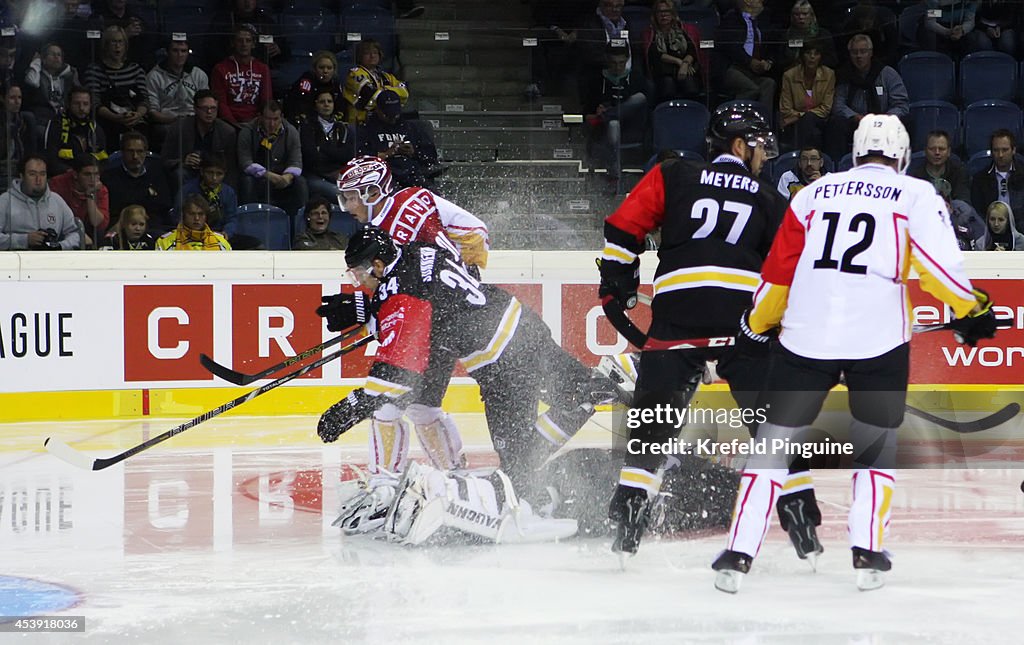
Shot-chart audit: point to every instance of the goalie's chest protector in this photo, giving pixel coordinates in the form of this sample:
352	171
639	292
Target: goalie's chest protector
718	227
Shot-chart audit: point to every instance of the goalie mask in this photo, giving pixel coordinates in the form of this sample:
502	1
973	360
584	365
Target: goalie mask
363	175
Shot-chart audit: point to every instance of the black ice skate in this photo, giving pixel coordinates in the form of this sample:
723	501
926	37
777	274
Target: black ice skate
869	566
802	532
630	509
731	567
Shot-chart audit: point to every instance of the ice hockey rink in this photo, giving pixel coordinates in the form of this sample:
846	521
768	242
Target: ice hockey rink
223	534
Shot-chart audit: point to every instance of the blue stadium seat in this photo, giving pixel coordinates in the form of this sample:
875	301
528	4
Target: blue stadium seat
341	222
929	76
845	163
312	29
269	224
982	160
684	154
988	75
371	23
638	19
680	125
789	160
706	20
982	117
189	16
300	61
926	116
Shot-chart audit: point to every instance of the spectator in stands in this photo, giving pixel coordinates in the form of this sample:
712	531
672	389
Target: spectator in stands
48	84
270	156
746	60
995	26
877	22
34	217
808	91
317	236
86	196
193	233
952	32
18	139
409	153
674	61
140	38
940	166
968	226
261	21
240	82
300	104
809	168
138	181
862	87
9	71
366	80
1001	233
129	234
610	98
74	133
594	34
327	144
202	134
172	86
118	88
1003	181
70	31
221	197
804	28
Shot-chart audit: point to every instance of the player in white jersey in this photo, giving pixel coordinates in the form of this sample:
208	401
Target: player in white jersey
834	290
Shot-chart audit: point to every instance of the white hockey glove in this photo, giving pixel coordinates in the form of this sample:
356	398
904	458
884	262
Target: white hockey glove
365	502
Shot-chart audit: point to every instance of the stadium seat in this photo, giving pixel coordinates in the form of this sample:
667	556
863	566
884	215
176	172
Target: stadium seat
706	20
683	154
311	29
680	125
926	116
929	76
982	117
988	75
982	160
269	224
371	23
189	16
638	19
341	222
845	163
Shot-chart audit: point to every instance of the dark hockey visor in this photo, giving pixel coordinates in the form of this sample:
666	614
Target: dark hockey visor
768	140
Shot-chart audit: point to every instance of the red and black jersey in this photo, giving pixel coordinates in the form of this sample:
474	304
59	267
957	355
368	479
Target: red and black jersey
717	224
427	301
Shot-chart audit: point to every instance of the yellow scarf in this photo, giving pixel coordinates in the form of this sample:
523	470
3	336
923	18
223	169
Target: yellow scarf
185	239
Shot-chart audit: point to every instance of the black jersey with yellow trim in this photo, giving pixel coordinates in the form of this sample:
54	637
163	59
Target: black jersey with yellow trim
717	223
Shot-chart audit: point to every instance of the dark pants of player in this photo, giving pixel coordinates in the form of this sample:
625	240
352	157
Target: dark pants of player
436	379
532	368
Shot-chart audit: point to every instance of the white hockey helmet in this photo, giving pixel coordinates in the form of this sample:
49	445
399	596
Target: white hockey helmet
882	135
363	173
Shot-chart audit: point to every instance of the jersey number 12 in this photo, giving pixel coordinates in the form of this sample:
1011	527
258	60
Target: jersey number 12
826	261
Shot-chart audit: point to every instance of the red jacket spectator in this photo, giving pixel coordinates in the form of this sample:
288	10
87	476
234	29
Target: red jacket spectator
74	186
240	88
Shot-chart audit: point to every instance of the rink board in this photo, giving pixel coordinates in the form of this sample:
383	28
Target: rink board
101	335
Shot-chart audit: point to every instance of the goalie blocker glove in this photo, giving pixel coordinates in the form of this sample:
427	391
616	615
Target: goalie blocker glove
344	310
344	414
976	326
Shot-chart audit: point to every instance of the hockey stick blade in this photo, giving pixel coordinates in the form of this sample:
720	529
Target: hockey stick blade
966	427
1001	323
65	452
241	378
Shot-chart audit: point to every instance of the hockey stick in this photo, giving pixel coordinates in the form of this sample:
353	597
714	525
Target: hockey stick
240	378
1001	323
63	451
997	418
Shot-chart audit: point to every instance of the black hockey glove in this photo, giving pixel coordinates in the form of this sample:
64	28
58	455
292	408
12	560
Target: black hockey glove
753	344
344	310
347	412
973	327
620	281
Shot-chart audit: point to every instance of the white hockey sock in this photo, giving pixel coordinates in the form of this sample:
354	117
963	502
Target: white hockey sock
389	440
438	435
872	505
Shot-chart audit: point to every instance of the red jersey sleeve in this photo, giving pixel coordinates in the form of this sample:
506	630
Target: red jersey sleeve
403	330
644	209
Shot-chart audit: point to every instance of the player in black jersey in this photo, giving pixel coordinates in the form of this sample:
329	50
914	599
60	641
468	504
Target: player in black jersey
425	301
717	223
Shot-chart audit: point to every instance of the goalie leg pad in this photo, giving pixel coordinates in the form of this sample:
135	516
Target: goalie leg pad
438	435
389	440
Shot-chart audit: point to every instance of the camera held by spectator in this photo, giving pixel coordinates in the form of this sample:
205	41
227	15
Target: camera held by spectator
51	241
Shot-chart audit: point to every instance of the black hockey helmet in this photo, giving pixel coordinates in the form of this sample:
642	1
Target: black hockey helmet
367	244
743	120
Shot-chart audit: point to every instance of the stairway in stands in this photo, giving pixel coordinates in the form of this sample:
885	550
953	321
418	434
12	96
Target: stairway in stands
511	161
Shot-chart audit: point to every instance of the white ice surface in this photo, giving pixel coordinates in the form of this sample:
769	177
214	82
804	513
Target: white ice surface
209	544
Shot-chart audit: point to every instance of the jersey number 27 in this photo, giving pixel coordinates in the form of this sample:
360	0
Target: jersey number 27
708	209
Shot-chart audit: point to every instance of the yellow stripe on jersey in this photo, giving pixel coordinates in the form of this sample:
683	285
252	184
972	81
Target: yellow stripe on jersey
640	478
377	387
696	277
794	484
550	430
493	350
770	303
935	286
617	253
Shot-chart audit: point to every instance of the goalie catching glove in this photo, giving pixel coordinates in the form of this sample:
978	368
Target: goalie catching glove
978	324
344	310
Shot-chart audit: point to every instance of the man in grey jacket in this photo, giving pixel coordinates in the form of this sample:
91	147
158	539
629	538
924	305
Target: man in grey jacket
863	87
172	86
270	157
34	218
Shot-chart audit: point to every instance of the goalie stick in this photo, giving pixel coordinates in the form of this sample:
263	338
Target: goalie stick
65	452
241	378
